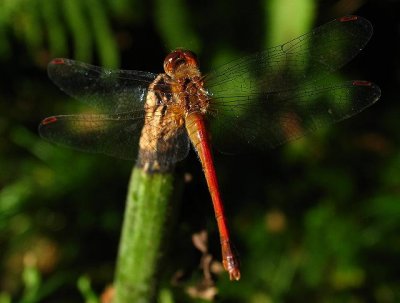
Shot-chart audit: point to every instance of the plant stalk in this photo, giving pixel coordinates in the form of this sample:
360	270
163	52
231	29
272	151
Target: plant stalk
148	214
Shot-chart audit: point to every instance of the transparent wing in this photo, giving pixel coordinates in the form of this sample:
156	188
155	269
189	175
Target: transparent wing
270	119
116	135
312	55
277	95
107	90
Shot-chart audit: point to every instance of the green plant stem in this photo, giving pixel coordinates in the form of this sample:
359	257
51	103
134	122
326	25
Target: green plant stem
147	217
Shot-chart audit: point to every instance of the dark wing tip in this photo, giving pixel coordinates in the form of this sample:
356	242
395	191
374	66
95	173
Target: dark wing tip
364	24
57	61
375	89
353	18
45	125
58	64
54	67
348	18
48	120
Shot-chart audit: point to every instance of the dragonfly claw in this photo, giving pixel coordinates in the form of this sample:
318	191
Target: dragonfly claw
234	274
230	262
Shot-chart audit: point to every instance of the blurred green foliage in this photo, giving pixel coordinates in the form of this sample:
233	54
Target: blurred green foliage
50	25
314	221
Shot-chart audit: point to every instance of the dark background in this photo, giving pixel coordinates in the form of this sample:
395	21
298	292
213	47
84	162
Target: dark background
316	220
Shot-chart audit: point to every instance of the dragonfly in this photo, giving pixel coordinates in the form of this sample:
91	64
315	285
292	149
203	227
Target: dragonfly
258	101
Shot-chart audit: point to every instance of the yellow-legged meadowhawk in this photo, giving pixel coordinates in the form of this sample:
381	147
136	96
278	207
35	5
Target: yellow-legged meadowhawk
261	100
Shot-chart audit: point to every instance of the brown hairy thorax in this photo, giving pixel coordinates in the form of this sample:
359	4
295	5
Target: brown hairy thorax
170	99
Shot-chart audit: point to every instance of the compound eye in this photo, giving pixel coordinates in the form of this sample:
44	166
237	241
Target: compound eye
172	61
177	58
191	58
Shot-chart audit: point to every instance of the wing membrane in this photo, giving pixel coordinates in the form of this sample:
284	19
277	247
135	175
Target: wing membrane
107	90
277	95
312	55
115	135
270	119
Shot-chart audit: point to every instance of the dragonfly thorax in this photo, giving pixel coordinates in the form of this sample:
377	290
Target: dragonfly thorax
186	83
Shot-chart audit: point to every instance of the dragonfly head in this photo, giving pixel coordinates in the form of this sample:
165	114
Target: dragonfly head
181	63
